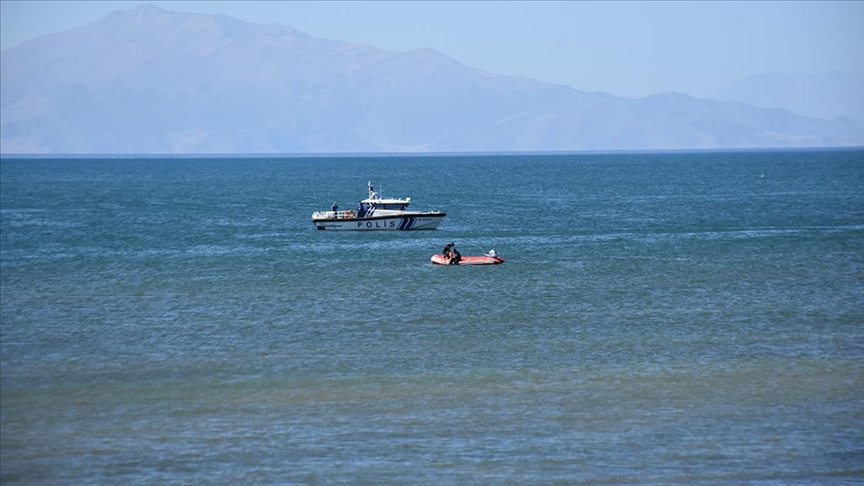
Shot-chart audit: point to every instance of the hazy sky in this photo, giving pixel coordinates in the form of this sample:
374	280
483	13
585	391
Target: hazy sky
632	48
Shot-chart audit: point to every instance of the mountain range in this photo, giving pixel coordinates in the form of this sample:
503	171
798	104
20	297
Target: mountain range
827	95
150	81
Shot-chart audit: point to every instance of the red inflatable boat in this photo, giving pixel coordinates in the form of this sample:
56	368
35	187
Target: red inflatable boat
439	259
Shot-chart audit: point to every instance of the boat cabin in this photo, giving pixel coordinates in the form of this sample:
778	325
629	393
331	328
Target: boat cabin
374	203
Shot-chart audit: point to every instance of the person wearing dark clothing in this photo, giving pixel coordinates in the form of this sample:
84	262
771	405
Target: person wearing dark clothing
334	208
446	250
455	257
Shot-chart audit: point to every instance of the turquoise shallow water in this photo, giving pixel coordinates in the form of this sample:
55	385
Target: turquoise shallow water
661	318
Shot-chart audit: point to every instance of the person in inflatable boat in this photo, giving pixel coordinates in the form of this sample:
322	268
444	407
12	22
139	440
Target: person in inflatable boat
455	257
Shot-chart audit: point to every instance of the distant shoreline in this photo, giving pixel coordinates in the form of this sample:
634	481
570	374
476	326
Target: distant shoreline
428	154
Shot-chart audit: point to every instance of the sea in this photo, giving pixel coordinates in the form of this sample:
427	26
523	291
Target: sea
661	318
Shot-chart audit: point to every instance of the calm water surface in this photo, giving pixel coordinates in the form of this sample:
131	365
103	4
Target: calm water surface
660	319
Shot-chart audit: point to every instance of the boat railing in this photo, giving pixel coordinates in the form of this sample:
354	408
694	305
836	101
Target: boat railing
348	214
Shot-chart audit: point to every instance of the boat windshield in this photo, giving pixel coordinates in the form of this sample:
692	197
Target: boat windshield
397	206
391	206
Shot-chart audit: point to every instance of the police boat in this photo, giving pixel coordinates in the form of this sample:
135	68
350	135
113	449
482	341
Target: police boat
377	213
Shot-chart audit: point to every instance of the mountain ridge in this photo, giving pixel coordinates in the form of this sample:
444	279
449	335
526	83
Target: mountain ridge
826	96
147	80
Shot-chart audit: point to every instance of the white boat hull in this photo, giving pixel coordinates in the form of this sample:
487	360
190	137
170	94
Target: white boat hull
420	221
